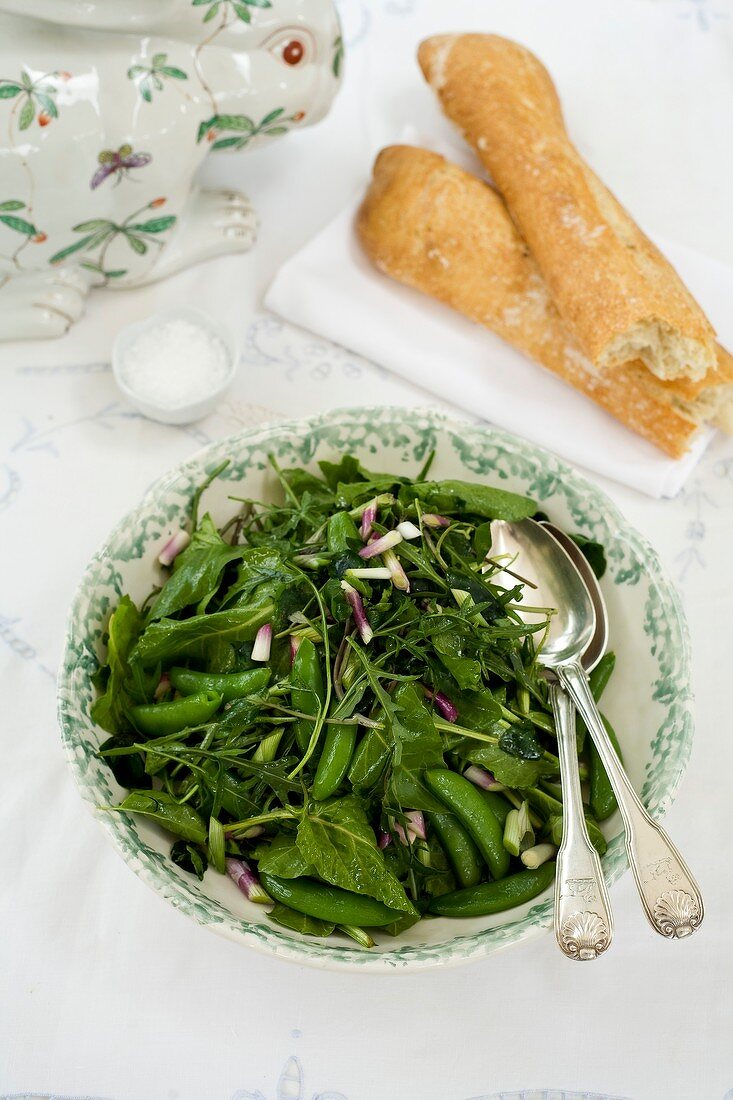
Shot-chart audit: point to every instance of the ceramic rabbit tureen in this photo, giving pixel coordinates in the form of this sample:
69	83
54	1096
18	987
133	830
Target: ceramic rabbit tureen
107	110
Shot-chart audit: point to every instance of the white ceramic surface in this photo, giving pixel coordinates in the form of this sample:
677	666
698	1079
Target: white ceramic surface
108	110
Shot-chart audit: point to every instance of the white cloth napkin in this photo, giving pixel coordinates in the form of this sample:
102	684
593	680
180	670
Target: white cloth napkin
330	288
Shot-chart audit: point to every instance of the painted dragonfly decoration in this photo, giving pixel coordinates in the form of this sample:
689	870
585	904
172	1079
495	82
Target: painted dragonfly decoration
118	164
120	115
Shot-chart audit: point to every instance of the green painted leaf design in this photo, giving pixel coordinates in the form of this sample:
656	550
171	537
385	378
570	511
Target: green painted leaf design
173	73
145	91
272	116
48	104
155	225
258	3
230	143
211	13
94	224
136	70
9	91
27	115
242	13
136	244
20	225
272	131
77	246
12	204
234	122
159	59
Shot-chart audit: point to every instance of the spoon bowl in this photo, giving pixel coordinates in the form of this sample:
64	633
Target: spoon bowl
556	583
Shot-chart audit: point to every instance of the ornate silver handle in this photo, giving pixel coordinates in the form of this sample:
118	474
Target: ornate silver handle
670	896
583	920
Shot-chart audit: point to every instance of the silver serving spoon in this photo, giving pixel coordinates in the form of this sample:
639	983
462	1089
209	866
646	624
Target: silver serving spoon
654	860
670	896
583	919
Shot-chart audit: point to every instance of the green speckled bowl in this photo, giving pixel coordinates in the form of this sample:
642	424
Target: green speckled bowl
649	698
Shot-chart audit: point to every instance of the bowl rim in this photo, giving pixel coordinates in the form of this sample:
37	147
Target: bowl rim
404	957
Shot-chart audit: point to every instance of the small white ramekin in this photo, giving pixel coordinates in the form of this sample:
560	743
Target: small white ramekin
181	414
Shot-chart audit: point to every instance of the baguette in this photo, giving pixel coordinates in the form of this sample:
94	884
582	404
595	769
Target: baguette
614	290
436	228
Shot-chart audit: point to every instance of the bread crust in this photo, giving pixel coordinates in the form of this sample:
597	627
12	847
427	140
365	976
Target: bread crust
615	291
432	226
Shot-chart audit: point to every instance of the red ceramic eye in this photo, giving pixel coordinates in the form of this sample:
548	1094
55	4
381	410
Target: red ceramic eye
293	52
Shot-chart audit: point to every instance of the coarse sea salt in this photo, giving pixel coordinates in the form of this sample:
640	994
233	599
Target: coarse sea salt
175	363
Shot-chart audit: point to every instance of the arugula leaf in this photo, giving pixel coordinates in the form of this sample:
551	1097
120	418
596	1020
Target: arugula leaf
197	572
521	740
110	709
512	771
418	747
167	638
299	922
282	857
593	552
179	819
466	496
336	839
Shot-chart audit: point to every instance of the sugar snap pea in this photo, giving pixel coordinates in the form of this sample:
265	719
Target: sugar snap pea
474	813
158	719
462	853
494	897
338	749
602	799
330	903
306	692
230	685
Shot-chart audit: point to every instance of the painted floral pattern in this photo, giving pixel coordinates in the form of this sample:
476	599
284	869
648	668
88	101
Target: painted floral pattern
240	9
99	233
34	98
242	129
150	78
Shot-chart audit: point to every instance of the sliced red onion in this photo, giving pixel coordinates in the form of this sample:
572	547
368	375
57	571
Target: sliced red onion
408	530
482	778
385	542
415	828
295	641
242	874
263	642
416	825
163	684
357	607
431	520
383	839
367	519
399	577
177	542
447	708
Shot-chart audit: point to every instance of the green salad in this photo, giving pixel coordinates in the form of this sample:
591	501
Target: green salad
330	700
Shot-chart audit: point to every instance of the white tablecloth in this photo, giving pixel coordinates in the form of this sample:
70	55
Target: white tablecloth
107	991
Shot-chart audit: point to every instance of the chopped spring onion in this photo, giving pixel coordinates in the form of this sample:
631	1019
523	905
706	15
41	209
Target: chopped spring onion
518	831
177	542
263	643
242	874
357	608
534	857
384	542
